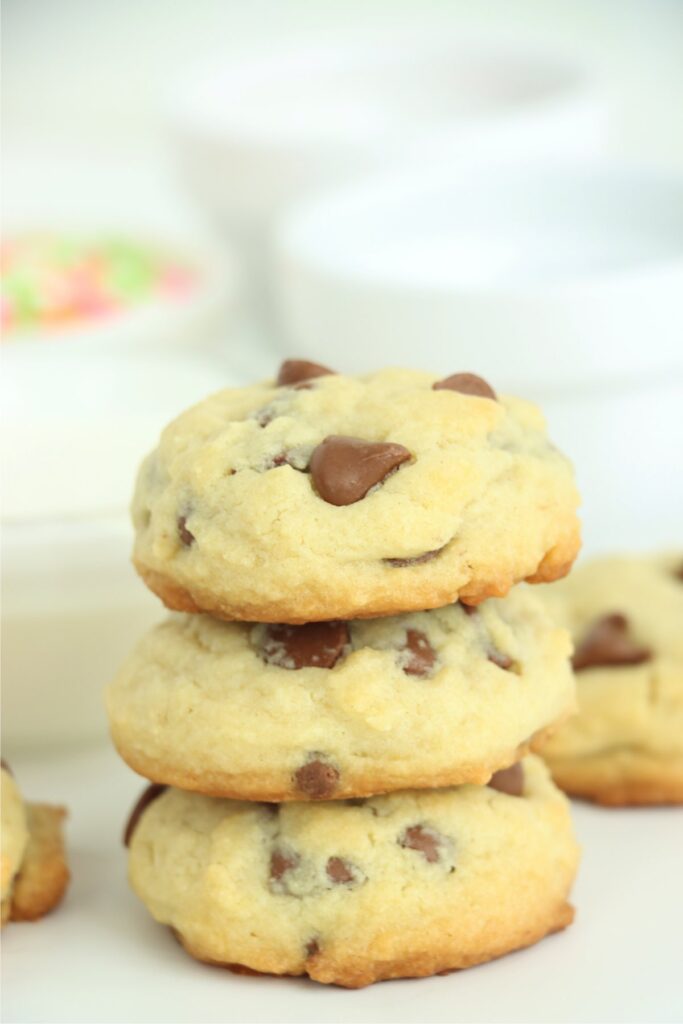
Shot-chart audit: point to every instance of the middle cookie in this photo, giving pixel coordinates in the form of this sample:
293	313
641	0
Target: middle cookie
335	710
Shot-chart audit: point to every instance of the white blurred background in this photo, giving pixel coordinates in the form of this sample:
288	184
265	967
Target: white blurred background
493	187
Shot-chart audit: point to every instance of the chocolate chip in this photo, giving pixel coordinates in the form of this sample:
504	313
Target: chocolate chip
509	780
339	871
186	538
401	563
466	384
422	839
607	642
6	767
277	460
469	609
419	656
265	416
678	573
498	658
148	796
344	469
294	371
297	458
280	863
315	645
317	779
312	948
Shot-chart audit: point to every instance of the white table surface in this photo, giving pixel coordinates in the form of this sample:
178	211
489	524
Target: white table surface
101	958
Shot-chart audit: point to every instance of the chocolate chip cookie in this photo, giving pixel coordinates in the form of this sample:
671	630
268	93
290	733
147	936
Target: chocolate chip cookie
345	708
34	870
319	496
626	744
406	885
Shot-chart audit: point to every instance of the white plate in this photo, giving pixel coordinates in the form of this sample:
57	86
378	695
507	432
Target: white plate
101	958
89	199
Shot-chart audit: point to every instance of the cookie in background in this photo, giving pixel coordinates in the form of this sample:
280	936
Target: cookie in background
625	747
35	874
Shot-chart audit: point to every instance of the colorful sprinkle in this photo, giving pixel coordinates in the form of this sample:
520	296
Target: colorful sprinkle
50	282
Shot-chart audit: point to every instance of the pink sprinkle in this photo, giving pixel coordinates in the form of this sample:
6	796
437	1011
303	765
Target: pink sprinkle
177	280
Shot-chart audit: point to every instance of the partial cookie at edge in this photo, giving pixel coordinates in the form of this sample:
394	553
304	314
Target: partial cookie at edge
44	875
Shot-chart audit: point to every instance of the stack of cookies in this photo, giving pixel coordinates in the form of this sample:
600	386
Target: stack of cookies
337	721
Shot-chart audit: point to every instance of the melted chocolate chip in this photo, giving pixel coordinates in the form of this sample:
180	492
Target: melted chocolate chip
466	384
186	538
294	371
469	609
312	948
281	863
608	642
265	416
148	796
499	658
509	780
678	573
315	645
419	656
401	563
339	871
317	779
422	839
344	469
294	457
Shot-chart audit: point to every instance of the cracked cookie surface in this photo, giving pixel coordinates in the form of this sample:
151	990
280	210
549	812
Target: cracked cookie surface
626	744
349	497
405	885
332	710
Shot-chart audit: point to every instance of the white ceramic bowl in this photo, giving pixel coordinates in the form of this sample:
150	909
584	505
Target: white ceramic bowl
72	609
256	134
74	431
541	278
193	320
77	197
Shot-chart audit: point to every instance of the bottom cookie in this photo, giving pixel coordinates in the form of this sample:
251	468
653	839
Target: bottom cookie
351	892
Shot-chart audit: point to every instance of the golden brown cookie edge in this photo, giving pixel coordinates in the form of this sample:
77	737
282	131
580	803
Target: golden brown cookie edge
44	875
261	788
555	564
355	972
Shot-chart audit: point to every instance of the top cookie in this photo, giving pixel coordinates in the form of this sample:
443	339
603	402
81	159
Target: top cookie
321	496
